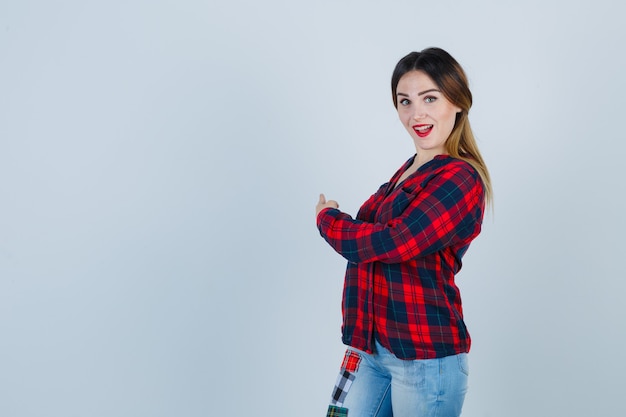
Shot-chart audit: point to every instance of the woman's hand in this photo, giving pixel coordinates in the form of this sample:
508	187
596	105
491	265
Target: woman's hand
322	204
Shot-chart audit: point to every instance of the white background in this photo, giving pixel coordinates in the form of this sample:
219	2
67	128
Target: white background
159	166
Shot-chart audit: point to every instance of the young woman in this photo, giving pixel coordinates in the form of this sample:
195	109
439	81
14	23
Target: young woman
402	315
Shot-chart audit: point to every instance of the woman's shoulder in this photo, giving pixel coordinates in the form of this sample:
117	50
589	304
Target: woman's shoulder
449	163
455	169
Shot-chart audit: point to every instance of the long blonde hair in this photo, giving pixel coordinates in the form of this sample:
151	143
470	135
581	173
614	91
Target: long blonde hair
449	76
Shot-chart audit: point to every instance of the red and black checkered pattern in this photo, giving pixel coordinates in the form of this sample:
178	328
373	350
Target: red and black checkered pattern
351	361
403	250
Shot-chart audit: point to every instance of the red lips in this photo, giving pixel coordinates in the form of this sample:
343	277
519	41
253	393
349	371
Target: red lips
422	130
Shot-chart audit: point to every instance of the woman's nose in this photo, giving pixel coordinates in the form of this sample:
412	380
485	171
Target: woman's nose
419	113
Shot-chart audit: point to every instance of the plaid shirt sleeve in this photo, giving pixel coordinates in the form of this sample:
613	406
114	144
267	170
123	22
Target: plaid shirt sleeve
415	219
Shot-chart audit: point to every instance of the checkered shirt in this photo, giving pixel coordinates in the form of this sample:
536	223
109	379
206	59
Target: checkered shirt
403	250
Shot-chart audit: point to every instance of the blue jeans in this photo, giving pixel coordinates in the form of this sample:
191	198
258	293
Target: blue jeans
381	385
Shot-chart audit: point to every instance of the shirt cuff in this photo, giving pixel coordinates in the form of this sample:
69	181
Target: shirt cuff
326	217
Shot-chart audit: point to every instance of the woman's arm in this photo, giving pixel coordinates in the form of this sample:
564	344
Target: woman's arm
447	210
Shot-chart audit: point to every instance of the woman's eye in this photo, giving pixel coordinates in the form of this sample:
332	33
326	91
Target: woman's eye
405	102
430	99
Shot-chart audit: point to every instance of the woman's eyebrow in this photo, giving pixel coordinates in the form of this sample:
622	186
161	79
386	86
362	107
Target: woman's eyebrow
428	91
419	94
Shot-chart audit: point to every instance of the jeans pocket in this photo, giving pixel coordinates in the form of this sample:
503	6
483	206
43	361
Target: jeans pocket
463	363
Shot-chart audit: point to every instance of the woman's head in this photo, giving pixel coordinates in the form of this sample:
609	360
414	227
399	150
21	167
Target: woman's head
450	79
445	72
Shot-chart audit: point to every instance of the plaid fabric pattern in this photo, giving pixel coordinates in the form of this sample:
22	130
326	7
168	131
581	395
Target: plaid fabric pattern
403	250
351	361
342	386
334	411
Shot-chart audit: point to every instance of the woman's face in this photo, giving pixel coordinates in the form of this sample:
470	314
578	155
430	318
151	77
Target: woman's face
425	113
